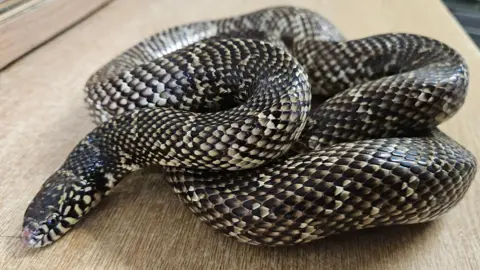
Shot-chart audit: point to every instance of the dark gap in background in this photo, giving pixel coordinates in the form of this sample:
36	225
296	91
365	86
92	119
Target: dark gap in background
467	13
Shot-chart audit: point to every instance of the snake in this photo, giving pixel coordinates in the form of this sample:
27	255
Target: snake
272	128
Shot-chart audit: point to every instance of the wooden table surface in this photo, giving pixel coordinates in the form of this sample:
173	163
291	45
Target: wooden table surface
143	225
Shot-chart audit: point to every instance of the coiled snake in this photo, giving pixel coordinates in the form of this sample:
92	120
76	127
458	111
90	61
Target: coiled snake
272	128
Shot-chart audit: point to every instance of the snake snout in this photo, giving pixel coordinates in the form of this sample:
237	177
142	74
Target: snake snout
30	235
42	232
54	210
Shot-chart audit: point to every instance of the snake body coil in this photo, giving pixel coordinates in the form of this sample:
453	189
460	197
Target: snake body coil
272	128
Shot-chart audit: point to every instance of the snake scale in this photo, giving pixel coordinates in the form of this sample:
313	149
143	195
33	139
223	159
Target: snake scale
272	128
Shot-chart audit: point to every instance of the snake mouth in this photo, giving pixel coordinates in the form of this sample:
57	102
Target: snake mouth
36	235
32	237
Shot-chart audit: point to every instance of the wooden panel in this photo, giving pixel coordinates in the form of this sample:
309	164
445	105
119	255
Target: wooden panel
143	225
26	24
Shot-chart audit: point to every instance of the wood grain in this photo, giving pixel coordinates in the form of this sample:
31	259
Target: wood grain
29	24
143	225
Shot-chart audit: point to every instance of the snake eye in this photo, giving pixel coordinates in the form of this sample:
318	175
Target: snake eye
52	221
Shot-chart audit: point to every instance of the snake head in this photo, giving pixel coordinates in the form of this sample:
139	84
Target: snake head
60	203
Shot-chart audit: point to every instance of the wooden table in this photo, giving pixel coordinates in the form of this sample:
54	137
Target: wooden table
143	225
